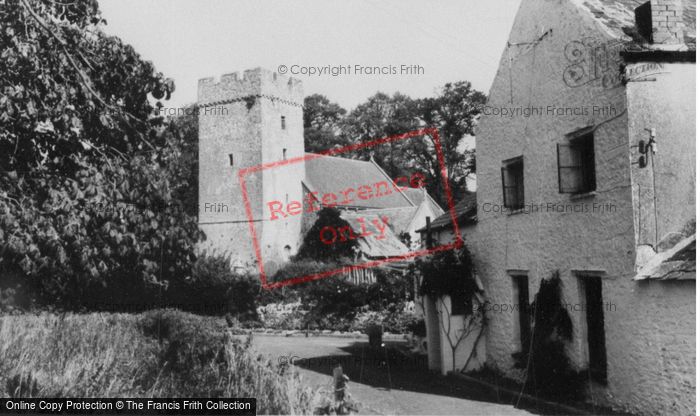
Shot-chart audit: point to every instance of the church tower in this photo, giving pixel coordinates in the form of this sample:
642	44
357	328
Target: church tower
245	121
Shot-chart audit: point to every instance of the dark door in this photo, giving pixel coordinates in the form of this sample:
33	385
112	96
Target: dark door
595	320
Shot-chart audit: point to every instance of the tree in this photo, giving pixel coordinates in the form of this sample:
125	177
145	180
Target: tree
381	116
454	114
182	134
87	208
322	120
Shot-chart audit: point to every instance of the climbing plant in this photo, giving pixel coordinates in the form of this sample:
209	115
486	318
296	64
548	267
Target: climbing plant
451	273
550	372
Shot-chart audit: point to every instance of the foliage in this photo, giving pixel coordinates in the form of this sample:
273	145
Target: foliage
68	88
454	114
163	353
283	316
314	248
181	134
381	116
550	372
447	273
334	302
451	273
322	124
215	290
108	235
91	207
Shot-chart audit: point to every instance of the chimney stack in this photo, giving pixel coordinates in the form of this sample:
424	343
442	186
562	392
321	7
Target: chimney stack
667	22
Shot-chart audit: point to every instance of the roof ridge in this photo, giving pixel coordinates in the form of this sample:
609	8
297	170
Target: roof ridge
392	181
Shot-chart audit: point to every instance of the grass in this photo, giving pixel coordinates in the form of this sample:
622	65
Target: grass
161	353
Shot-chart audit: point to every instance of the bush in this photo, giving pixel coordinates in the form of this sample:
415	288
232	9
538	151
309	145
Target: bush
215	289
335	303
284	316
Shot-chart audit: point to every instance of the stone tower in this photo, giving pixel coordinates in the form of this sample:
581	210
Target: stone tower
245	121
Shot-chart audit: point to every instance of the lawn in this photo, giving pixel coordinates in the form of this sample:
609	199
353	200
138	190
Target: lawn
160	353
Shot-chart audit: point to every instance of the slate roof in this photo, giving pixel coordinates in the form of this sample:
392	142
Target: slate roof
466	211
398	218
371	246
677	263
617	17
328	174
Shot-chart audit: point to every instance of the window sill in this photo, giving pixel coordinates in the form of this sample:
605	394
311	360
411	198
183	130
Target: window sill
516	211
585	195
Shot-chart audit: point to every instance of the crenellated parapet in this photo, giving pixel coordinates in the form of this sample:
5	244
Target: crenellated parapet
253	84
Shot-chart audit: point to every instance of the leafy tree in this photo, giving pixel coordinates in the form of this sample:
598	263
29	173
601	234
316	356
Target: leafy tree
322	120
381	116
87	208
182	134
453	113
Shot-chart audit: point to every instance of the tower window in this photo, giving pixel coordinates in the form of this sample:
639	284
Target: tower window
284	123
230	159
284	154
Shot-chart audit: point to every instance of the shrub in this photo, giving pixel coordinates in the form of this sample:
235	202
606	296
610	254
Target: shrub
335	303
282	315
215	289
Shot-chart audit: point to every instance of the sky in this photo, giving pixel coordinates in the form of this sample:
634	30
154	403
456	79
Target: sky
437	42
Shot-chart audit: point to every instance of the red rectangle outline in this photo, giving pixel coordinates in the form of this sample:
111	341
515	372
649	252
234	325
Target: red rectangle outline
433	132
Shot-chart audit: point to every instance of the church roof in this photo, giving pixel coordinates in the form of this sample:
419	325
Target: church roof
328	174
398	219
371	246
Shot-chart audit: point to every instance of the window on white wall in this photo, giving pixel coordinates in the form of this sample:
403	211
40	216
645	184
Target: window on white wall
576	163
513	183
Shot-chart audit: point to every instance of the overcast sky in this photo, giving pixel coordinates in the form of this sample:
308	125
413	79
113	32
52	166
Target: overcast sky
188	40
